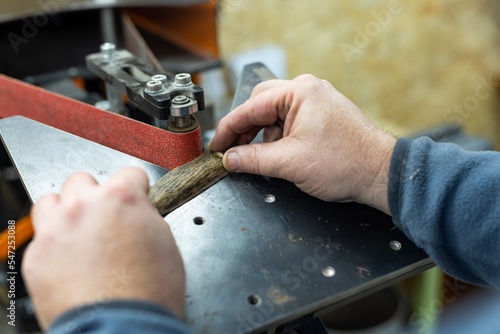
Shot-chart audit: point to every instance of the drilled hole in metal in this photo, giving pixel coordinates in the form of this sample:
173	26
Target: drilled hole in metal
253	299
198	220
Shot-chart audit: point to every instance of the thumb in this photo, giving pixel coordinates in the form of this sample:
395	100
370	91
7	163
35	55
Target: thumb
270	159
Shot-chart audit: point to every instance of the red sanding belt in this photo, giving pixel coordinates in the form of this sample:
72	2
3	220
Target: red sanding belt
160	147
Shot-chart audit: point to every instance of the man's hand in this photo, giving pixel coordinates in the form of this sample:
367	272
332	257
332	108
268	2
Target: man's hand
313	136
96	243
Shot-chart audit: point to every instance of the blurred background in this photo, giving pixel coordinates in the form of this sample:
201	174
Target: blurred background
409	71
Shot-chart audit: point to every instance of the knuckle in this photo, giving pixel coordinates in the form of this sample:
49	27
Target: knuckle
44	202
252	158
259	87
119	189
73	207
262	86
309	82
327	83
262	164
28	262
308	78
222	124
141	176
259	162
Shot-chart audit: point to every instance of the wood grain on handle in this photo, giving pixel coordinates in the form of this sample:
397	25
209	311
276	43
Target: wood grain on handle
187	181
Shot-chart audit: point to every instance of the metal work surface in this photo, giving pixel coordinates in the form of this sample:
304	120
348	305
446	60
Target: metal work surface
258	252
44	156
267	254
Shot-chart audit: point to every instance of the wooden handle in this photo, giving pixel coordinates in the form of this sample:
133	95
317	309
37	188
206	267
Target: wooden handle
187	181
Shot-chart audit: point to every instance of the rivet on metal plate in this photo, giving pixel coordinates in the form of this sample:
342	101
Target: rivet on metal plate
269	198
328	271
395	245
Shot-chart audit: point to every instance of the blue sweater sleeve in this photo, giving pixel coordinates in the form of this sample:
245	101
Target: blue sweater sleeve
447	201
120	317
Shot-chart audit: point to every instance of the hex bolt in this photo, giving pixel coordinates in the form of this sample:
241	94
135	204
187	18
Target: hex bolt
159	77
108	51
180	99
183	79
154	86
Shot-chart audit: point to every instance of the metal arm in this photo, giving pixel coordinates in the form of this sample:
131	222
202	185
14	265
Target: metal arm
170	101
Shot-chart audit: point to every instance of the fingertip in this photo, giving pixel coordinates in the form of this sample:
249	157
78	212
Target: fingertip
231	160
43	207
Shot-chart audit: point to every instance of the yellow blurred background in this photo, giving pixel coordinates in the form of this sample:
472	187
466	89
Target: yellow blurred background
410	65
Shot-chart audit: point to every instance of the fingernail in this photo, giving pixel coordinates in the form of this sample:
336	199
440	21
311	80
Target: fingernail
232	162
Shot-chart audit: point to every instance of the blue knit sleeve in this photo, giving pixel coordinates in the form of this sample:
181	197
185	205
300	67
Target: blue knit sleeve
447	201
118	317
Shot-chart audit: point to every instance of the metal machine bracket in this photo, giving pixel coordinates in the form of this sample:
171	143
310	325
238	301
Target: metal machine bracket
170	100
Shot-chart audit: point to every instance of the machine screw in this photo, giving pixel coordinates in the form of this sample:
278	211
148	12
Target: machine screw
154	86
159	77
108	51
183	79
395	245
180	99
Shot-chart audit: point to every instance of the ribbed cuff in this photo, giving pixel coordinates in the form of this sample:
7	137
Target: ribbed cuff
89	311
396	171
